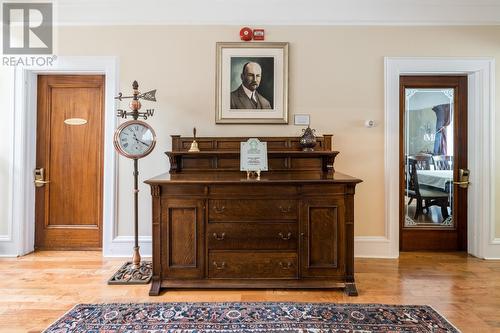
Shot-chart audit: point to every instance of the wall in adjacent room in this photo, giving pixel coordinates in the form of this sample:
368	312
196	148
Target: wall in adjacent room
336	74
420	122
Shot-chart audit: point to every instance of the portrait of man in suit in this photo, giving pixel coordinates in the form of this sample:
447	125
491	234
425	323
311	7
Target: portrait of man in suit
248	95
251	83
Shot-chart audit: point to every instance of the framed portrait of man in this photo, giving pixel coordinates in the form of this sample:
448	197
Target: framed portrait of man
252	83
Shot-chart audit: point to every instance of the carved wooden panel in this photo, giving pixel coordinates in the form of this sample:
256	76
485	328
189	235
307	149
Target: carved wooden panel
228	163
184	238
322	225
323	234
277	163
197	163
306	163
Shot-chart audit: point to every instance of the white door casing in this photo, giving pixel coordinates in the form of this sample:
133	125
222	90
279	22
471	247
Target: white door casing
481	135
22	221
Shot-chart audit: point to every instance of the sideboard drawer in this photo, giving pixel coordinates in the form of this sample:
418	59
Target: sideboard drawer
252	265
235	210
266	236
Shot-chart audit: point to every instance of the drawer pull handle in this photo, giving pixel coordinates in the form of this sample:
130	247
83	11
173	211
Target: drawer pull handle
287	209
287	237
288	265
220	209
221	267
219	238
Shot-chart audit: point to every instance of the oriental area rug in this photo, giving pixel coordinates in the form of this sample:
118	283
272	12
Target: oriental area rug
250	317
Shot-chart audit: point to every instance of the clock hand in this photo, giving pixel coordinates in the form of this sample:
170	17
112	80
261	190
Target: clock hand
136	139
144	143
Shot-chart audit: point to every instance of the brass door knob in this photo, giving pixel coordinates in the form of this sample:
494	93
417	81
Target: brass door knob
40	177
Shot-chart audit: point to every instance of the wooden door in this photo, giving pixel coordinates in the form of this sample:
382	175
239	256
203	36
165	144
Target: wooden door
68	209
322	236
433	151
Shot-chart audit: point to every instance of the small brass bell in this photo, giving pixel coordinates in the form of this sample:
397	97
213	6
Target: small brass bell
194	145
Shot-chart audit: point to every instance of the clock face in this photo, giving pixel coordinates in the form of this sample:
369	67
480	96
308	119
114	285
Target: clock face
134	139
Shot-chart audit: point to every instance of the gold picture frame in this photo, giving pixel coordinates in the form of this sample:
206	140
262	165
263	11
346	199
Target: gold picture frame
251	83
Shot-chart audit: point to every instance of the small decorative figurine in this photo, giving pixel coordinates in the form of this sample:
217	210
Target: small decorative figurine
308	140
194	144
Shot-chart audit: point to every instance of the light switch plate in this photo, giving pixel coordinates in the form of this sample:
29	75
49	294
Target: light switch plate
301	119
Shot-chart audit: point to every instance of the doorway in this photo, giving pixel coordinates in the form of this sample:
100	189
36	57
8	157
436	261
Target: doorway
433	163
69	162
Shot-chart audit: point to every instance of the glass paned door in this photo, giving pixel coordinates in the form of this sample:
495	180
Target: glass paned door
428	154
433	163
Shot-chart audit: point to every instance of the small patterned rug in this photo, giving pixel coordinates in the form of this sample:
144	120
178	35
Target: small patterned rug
250	317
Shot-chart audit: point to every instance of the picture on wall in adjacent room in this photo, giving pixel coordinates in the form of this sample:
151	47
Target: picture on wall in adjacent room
252	83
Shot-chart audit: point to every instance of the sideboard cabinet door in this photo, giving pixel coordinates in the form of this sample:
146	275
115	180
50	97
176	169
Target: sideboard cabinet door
182	232
322	237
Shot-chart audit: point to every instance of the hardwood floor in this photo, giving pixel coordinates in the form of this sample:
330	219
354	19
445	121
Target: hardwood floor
37	289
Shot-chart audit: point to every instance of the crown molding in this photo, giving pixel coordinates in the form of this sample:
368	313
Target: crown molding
277	12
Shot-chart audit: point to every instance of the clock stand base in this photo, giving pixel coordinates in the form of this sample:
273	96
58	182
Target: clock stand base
129	274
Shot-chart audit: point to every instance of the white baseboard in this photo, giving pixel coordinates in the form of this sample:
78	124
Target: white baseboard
364	247
372	247
122	247
492	250
8	248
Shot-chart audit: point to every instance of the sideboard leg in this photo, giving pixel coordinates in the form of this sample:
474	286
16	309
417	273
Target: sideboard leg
155	287
350	289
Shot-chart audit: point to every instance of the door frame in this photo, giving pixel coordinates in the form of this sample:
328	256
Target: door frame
438	236
481	159
24	151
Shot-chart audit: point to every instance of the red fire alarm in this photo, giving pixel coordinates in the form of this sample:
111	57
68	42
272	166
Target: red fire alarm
246	34
258	34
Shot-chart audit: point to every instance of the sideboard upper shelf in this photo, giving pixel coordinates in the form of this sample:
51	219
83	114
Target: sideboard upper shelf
223	154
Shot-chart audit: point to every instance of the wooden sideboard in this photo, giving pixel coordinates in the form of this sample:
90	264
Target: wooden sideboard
214	228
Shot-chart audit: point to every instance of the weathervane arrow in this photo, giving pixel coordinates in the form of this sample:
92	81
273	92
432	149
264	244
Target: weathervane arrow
147	96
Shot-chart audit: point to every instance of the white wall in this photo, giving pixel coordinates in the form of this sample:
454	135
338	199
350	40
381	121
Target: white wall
335	74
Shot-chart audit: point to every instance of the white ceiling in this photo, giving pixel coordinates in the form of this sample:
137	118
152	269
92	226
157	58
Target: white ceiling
278	12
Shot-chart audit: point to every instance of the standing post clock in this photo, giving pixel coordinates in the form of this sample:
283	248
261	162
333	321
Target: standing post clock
135	139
